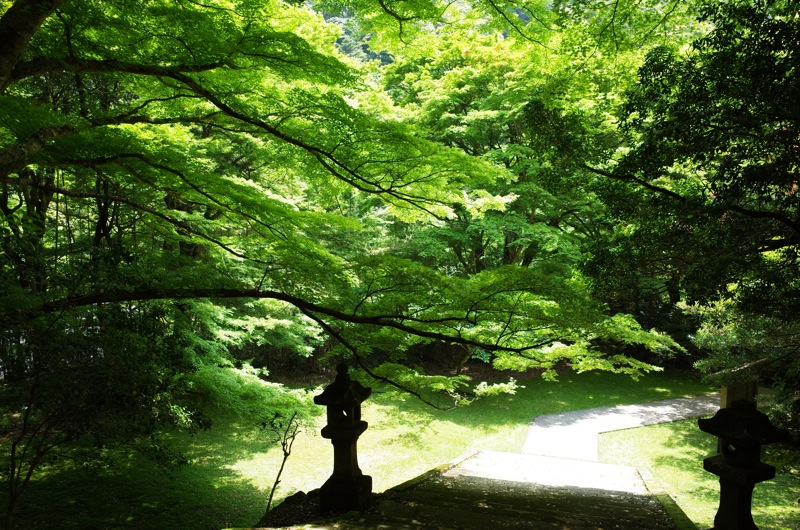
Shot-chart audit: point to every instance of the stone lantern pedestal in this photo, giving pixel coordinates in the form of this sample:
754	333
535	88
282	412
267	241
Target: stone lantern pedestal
742	431
348	488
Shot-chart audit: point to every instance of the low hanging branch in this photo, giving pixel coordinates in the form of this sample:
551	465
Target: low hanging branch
401	322
352	349
313	311
748	212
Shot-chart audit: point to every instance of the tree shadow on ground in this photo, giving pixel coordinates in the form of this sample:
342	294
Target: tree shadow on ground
674	454
132	491
149	498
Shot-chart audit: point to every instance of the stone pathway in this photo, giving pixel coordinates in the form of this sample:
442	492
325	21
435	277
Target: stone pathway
574	434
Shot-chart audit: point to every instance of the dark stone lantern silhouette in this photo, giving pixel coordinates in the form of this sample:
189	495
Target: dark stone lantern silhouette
742	431
348	488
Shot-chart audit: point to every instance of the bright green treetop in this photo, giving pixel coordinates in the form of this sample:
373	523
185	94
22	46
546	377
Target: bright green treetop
181	180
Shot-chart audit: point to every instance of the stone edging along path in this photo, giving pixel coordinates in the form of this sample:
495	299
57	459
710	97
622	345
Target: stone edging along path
574	434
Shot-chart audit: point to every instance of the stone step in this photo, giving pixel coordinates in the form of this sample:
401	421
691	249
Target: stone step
472	502
493	490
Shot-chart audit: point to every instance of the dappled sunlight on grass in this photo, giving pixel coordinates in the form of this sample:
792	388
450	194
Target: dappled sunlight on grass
776	502
306	469
674	453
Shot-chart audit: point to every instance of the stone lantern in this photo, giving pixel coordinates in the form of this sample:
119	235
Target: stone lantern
742	431
348	488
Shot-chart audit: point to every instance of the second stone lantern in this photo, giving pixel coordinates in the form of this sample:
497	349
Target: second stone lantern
742	430
348	488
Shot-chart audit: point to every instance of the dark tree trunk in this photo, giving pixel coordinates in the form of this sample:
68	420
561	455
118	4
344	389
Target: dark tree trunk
17	27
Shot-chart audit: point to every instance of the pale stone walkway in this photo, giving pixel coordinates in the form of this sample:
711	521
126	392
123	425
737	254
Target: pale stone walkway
549	471
575	434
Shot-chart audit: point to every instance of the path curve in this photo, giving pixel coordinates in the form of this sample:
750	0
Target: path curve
575	434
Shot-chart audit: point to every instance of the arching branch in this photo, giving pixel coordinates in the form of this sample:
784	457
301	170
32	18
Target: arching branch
748	212
636	180
354	351
399	321
44	65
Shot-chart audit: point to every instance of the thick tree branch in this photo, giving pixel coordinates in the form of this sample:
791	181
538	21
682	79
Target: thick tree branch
18	25
391	321
44	65
748	212
636	180
761	214
15	157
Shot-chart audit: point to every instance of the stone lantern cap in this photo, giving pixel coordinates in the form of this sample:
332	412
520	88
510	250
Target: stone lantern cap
742	423
343	392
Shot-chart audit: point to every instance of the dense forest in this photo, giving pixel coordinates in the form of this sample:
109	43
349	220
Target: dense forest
195	194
